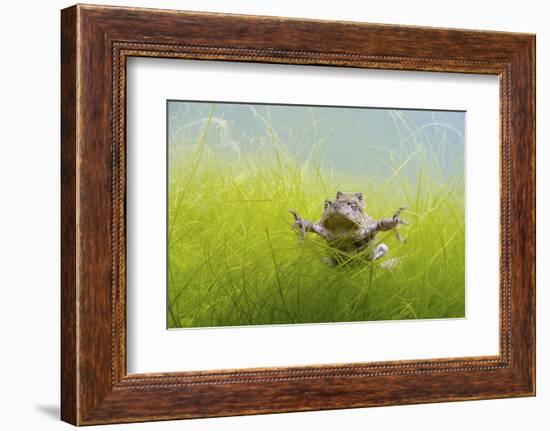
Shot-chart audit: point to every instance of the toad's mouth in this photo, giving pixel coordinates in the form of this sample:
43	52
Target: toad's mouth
338	221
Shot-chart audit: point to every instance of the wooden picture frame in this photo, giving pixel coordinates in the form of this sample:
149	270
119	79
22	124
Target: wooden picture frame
95	43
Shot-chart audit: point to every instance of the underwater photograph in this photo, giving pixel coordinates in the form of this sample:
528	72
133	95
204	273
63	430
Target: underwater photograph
297	214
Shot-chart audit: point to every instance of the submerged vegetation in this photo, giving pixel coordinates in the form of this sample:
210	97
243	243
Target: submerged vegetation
234	260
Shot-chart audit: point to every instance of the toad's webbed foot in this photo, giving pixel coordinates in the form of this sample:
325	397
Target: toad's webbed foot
304	226
397	216
392	223
390	264
301	225
380	251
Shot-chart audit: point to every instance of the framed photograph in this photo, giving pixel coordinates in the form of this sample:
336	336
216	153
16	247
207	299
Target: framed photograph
264	214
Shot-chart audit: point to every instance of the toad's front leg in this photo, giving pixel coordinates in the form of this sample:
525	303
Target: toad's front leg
304	226
392	223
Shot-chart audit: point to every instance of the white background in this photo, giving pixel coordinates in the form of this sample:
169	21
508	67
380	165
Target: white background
29	216
151	348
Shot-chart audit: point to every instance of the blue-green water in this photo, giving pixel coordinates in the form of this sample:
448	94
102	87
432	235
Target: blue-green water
347	139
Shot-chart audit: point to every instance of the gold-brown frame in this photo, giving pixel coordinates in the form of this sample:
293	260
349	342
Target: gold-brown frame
95	42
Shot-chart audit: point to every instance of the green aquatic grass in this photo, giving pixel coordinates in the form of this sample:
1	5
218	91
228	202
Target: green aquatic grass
233	259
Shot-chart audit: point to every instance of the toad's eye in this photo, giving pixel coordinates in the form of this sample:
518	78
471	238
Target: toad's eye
327	203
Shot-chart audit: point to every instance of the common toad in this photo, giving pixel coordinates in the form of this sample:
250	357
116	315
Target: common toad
347	227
